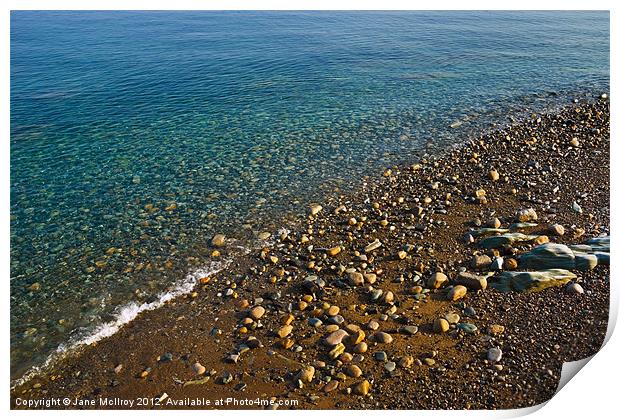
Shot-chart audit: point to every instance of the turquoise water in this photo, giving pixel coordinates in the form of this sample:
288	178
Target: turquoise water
135	136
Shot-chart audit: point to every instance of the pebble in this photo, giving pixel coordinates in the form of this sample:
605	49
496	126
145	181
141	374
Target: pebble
480	261
315	322
336	351
332	252
331	386
440	325
356	279
467	327
574	288
336	337
510	264
360	348
307	374
494	354
373	245
218	240
257	312
457	292
382	337
380	356
556	229
354	371
390	366
436	280
315	209
408	329
496	329
405	362
198	368
452	318
527	215
362	388
285	331
493	175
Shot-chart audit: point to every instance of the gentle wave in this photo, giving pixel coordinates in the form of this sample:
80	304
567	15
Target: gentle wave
124	315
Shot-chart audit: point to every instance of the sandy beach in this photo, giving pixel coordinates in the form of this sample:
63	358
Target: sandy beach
462	281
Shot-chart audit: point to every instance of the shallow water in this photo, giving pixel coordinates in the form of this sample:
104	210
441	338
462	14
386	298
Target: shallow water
135	136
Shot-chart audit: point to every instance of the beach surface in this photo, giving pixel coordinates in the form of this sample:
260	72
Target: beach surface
400	295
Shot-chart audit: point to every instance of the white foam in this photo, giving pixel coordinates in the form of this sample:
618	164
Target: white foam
123	315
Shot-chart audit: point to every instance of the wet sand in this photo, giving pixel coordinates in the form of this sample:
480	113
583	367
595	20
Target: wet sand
421	214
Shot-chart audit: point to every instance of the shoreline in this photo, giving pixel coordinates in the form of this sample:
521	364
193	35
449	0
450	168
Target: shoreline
192	323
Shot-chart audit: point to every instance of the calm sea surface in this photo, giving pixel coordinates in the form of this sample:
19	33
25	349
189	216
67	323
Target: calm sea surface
135	136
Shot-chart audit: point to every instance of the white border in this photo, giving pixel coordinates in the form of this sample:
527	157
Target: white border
592	394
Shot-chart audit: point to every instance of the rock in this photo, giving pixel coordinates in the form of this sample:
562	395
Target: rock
336	337
602	258
373	325
436	280
380	356
356	279
576	208
548	256
574	142
354	371
499	241
472	281
467	327
452	318
497	264
510	264
360	348
390	366
428	361
306	374
362	388
493	175
480	261
494	223
285	331
556	229
257	312
388	297
356	337
376	294
382	337
315	322
333	310
332	252
408	329
218	240
405	362
440	325
457	292
370	278
519	281
336	351
496	329
331	386
34	287
315	209
527	215
494	354
198	368
585	262
574	288
373	245
264	235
